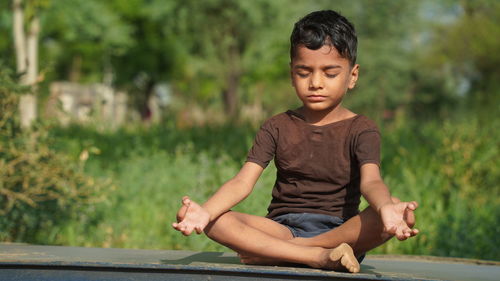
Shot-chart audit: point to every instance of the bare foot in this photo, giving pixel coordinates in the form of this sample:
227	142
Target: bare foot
341	259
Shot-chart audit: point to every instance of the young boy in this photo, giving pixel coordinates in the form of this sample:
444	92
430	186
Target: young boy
326	157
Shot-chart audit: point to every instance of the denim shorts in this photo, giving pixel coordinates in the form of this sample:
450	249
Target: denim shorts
309	224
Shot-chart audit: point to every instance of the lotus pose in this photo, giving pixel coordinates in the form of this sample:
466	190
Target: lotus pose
326	158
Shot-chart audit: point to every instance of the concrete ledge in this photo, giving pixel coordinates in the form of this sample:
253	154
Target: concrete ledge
33	262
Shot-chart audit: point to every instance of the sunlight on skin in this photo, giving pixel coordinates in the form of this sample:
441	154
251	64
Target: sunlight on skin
321	77
401	229
190	218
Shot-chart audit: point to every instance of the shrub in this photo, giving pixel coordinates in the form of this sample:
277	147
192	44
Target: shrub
40	189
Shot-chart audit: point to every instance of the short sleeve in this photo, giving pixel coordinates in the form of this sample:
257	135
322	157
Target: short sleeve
264	145
367	147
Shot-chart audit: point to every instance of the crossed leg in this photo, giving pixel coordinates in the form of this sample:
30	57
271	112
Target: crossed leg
260	240
261	237
362	233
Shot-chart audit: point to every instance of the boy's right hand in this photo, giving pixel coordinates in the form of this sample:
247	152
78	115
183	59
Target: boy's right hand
191	217
399	219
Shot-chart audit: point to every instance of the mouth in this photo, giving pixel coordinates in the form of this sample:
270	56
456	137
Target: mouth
316	98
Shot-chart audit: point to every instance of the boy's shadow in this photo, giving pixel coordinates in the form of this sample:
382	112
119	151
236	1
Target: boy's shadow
204	257
217	257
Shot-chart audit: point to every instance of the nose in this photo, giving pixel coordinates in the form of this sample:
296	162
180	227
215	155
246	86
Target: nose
316	81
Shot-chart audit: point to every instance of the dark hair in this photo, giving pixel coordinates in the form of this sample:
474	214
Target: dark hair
325	28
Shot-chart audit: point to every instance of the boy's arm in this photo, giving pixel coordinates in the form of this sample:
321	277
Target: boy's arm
373	188
377	194
233	191
194	217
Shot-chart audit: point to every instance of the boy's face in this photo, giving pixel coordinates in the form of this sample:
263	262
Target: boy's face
321	77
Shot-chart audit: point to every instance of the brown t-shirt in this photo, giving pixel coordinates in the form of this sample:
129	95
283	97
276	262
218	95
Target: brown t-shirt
318	167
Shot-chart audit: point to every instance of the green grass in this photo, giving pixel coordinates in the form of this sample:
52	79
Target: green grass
450	169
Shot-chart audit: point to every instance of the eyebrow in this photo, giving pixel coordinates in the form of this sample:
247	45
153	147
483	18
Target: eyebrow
302	66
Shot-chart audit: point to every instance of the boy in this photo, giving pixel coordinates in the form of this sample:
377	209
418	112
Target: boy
326	157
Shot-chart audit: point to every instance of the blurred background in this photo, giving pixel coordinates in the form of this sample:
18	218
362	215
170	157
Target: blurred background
111	111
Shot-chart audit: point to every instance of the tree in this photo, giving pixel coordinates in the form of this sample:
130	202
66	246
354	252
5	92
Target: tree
151	56
40	188
82	37
464	53
387	51
218	35
26	47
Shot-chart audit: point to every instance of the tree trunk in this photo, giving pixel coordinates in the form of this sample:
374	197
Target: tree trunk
27	61
75	71
19	36
230	94
32	41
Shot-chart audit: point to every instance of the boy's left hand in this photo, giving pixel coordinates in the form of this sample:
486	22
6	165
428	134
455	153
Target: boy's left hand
398	219
191	217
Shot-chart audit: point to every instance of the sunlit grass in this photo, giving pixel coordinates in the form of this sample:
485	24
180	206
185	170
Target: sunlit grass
450	169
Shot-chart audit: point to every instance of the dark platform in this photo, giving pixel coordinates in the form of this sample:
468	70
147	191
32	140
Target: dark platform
29	262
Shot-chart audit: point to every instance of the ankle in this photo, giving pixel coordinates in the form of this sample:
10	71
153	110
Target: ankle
321	259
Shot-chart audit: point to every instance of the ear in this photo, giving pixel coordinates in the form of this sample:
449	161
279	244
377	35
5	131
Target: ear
353	76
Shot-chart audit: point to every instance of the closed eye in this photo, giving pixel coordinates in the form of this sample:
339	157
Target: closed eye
302	75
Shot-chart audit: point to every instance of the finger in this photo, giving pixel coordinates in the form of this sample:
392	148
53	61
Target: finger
181	214
413	205
414	232
185	210
178	226
408	232
186	201
198	230
400	235
187	231
409	218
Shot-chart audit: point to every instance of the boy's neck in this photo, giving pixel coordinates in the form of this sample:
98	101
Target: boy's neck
320	118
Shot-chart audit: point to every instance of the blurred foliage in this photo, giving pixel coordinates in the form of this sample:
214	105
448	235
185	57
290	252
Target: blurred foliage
419	58
451	169
428	71
40	189
80	37
462	56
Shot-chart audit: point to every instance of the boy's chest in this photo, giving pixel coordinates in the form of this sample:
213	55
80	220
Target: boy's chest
319	154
